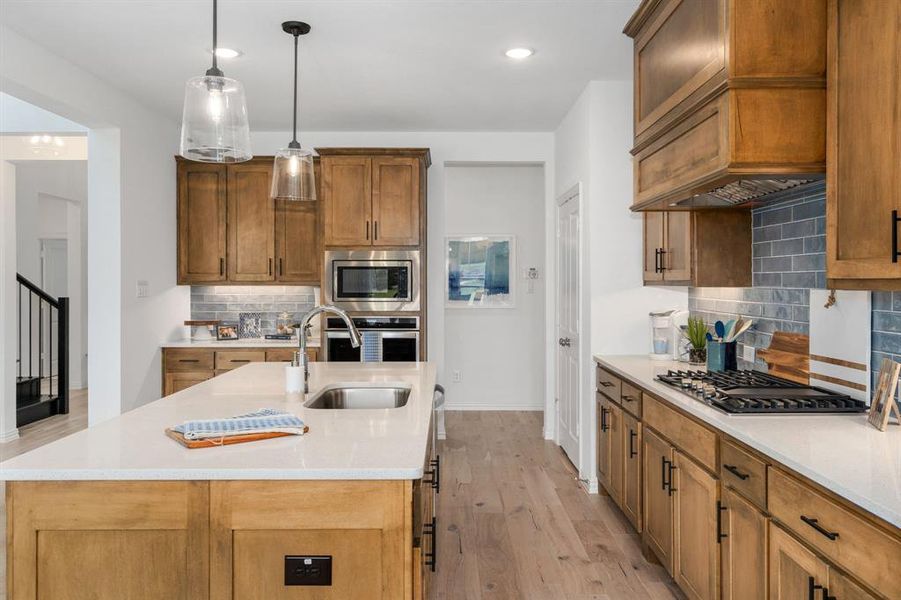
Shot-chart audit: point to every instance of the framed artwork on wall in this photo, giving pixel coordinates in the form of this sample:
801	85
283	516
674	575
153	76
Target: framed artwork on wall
480	271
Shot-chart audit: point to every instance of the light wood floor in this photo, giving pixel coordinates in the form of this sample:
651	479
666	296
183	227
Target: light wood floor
514	522
42	432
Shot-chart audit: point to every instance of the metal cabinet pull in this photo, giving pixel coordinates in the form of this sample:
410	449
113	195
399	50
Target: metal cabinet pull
436	466
662	260
669	484
820	529
270	266
720	536
604	425
375	230
367	230
628	398
240	360
734	470
656	260
812	587
632	437
431	529
663	471
281	267
895	219
221	266
189	360
606	384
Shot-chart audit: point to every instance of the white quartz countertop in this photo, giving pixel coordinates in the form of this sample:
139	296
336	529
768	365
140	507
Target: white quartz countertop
843	453
245	343
341	444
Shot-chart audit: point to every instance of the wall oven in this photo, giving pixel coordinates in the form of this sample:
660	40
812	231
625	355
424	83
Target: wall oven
385	339
372	280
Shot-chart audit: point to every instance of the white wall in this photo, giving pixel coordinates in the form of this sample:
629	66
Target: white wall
131	190
8	430
446	148
592	147
498	352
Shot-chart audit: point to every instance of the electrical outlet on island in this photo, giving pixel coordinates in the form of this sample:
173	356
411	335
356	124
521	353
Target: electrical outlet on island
749	353
457	377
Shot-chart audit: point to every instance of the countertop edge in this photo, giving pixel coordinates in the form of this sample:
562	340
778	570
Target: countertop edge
888	514
12	475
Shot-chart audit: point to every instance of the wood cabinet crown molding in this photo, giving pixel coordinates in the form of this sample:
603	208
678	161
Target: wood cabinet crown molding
422	153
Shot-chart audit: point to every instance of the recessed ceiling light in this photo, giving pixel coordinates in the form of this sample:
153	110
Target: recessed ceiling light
227	53
519	53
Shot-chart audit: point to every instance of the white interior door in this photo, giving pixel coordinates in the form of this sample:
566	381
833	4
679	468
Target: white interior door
567	319
54	281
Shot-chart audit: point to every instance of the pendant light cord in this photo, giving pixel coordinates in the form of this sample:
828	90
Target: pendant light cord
294	142
214	70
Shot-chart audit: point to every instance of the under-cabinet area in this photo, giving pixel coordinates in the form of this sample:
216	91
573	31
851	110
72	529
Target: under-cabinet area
727	520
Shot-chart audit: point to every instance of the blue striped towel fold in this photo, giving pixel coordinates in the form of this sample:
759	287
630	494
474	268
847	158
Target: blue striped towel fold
264	420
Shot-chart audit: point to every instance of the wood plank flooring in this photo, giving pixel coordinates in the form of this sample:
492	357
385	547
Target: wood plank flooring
48	430
514	522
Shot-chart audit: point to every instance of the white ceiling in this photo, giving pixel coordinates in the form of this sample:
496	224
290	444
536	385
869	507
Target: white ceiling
367	65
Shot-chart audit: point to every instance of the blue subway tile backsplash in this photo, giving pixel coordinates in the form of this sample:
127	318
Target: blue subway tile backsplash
789	259
227	302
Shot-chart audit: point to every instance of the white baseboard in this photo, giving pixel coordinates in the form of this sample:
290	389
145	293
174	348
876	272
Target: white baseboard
591	486
480	406
8	436
549	435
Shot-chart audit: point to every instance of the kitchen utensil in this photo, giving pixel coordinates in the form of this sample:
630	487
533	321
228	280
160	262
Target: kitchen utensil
720	328
730	326
741	328
840	342
709	337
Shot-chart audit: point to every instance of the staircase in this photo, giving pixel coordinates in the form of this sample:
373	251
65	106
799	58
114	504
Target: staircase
42	359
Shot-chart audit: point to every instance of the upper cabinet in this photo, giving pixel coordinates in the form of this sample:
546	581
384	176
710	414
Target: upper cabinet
231	231
729	100
373	197
863	195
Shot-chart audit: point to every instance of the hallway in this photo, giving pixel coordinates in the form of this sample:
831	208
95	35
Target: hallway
515	524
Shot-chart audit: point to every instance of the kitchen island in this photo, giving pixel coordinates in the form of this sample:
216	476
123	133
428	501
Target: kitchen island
121	510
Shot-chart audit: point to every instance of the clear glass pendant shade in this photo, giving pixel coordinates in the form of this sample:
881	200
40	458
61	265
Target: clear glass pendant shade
214	125
292	175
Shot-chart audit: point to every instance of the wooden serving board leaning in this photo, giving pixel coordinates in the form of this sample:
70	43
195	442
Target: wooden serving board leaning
884	402
225	440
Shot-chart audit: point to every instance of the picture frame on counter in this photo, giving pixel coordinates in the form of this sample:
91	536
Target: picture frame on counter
226	331
479	271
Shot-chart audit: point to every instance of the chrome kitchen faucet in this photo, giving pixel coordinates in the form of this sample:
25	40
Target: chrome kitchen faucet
302	337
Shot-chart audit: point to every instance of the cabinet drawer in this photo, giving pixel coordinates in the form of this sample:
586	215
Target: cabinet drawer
609	384
744	473
189	359
837	533
287	354
238	358
692	438
631	399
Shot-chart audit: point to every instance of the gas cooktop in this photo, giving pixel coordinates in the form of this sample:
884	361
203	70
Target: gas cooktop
753	392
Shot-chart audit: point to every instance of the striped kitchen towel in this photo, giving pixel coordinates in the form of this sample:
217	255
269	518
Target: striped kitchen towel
265	420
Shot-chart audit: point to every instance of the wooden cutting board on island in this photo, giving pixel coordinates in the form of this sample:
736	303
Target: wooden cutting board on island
788	356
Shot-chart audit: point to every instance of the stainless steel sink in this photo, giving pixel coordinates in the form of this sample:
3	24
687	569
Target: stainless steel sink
357	396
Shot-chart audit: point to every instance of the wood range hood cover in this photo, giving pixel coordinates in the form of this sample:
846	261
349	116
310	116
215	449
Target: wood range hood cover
729	101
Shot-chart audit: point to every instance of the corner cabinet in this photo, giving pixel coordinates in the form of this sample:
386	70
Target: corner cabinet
231	231
863	194
373	197
703	248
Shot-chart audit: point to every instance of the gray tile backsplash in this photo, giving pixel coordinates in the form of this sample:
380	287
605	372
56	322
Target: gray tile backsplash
226	302
789	259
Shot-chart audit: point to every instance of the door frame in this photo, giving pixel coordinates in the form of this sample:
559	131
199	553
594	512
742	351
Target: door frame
587	437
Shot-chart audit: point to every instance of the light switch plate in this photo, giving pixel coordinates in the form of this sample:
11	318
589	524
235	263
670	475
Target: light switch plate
749	353
143	288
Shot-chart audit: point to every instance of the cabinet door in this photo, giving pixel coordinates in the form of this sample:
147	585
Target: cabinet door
251	222
842	588
632	469
178	381
297	242
347	200
794	570
201	222
656	455
615	477
395	201
696	556
653	244
603	412
742	549
864	140
677	247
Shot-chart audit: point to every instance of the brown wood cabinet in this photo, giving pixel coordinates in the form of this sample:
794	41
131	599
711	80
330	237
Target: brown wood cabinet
864	145
794	570
743	548
700	248
615	431
604	439
658	504
201	222
373	197
231	231
696	557
185	367
726	90
632	470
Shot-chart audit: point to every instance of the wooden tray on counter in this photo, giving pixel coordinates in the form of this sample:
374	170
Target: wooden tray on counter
225	440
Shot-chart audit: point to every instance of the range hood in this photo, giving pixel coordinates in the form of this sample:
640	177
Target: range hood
745	193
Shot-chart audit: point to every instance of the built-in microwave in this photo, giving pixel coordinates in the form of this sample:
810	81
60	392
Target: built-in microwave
372	280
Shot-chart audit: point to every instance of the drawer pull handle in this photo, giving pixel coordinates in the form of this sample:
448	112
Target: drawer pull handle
734	470
812	587
895	252
628	398
632	437
431	529
720	536
604	425
663	472
606	383
669	483
820	529
189	360
239	360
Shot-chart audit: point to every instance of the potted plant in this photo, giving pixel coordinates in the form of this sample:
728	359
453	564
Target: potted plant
696	332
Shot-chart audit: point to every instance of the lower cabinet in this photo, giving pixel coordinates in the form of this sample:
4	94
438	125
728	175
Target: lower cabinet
603	410
795	572
632	470
743	548
657	457
182	380
695	549
615	431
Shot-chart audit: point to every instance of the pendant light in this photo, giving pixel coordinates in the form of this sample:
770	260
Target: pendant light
214	124
292	173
